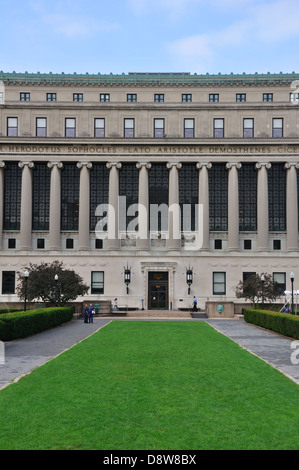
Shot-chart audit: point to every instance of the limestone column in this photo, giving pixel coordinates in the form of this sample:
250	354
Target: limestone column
26	206
292	206
113	209
174	213
233	206
262	207
2	166
84	206
143	241
55	205
203	205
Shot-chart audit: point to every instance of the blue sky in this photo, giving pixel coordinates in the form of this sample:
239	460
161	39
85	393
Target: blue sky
121	36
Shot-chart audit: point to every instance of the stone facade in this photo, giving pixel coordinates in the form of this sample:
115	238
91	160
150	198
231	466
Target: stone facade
105	137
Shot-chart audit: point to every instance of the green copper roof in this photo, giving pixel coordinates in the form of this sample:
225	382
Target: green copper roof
146	78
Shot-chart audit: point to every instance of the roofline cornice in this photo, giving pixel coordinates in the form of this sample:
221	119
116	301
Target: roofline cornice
145	79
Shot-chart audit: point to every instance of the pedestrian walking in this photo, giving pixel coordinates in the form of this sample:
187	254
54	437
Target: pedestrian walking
86	313
91	311
194	304
115	304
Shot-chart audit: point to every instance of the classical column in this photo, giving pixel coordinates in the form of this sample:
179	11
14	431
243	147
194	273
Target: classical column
203	205
84	206
292	206
262	207
2	166
233	206
55	205
26	206
113	212
174	213
143	241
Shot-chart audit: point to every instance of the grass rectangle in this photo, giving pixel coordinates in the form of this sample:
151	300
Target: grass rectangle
152	386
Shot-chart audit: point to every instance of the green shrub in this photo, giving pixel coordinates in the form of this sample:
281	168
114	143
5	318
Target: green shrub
21	324
283	323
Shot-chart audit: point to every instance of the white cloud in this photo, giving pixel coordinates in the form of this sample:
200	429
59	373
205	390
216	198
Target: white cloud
72	26
264	23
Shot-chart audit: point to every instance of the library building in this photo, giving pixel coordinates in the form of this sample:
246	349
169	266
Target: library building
153	187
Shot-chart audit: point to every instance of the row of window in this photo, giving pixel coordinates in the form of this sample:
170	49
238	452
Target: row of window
97	282
158	97
159	127
158	194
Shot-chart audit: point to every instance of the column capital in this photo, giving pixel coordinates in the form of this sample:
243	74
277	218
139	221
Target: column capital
88	165
259	165
109	165
2	164
29	164
230	165
146	165
57	164
201	165
170	165
288	165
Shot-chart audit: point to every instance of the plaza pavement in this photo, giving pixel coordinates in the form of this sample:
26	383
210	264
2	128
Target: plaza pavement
24	355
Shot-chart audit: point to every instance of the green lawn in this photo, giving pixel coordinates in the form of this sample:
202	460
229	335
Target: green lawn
152	386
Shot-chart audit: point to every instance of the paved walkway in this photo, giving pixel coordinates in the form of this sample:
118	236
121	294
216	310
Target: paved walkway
24	355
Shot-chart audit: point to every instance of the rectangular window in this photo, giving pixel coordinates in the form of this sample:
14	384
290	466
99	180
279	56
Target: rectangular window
104	97
97	282
131	98
69	243
98	244
186	98
40	243
8	282
268	97
188	128
158	128
248	128
24	96
277	128
70	127
294	97
78	97
241	97
51	97
99	128
214	98
11	243
218	244
159	98
129	125
41	127
276	244
1	96
12	127
219	283
218	128
247	244
280	280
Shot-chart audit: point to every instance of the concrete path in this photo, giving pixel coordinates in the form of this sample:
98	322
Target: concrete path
24	355
276	350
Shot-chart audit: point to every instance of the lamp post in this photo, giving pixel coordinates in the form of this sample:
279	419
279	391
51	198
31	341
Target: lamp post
127	277
263	290
56	288
189	278
26	275
292	276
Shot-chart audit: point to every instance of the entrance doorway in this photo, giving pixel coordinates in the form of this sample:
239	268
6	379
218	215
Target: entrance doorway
158	290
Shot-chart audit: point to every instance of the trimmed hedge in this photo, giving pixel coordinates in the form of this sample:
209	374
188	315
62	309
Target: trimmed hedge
283	323
22	324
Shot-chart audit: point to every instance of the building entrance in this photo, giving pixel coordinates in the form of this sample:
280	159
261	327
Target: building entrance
158	290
